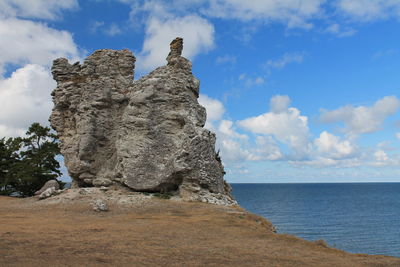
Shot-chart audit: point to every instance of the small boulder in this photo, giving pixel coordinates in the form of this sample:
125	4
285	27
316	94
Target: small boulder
102	182
47	193
86	191
103	188
100	205
47	185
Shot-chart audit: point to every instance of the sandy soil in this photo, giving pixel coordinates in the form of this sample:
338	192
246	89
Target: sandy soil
149	231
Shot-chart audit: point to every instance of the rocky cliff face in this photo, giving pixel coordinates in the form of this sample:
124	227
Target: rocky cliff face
147	135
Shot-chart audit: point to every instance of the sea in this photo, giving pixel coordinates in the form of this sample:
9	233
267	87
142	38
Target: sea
355	217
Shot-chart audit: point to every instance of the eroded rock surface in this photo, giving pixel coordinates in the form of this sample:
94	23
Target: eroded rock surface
49	184
100	205
47	193
147	135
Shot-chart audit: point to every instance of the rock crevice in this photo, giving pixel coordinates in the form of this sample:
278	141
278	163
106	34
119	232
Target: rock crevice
147	134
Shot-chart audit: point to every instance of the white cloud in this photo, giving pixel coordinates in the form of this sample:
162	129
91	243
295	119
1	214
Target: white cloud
382	159
287	58
41	9
99	26
197	32
339	31
215	108
29	47
256	81
267	148
381	156
330	146
279	103
226	128
293	13
226	59
286	125
282	134
398	135
369	10
362	119
234	146
231	150
113	30
231	144
95	26
24	41
24	99
323	162
251	81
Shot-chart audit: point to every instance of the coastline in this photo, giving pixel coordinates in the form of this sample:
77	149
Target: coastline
153	231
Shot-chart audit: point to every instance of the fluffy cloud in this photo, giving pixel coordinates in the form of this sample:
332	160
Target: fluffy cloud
382	159
267	149
215	108
284	123
362	119
29	47
226	128
236	147
330	146
24	41
368	10
324	162
291	13
198	34
42	9
279	103
381	156
24	99
287	58
231	144
294	13
282	134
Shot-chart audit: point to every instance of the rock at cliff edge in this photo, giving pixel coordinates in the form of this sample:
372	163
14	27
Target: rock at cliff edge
147	134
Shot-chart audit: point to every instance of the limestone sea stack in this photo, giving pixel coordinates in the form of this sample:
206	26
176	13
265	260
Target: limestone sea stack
147	135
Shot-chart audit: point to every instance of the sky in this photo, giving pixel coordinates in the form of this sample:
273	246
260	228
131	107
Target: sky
295	90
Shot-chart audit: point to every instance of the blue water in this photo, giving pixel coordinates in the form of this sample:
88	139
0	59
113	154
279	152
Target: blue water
358	218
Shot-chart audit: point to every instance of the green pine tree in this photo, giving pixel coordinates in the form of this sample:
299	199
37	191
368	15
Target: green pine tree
29	162
9	157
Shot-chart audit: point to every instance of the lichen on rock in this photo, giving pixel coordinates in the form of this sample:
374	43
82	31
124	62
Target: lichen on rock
147	134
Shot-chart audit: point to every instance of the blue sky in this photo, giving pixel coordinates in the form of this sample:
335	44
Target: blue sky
296	91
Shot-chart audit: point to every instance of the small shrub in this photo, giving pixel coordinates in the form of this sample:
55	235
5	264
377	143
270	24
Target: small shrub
163	195
321	243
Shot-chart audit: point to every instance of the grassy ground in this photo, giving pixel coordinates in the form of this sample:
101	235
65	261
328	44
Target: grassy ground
159	233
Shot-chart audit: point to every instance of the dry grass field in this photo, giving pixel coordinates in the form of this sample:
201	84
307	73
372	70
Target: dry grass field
157	233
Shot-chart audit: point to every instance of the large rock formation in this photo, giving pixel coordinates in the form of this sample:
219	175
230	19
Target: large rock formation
147	135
